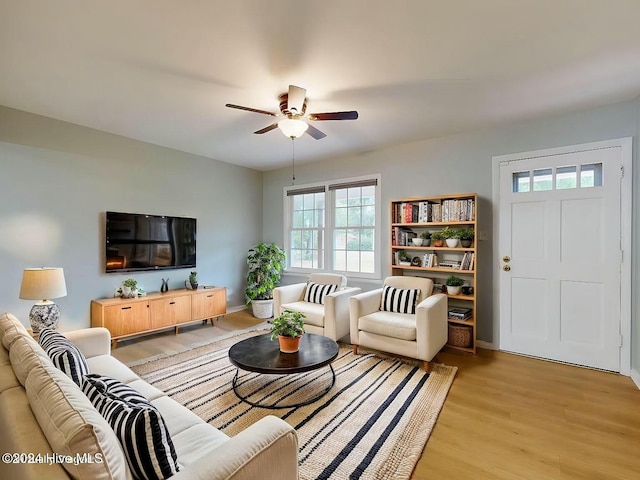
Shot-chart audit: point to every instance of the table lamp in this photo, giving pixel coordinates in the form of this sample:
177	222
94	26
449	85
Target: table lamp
43	284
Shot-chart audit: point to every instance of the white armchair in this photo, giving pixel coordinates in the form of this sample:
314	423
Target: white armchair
331	318
420	335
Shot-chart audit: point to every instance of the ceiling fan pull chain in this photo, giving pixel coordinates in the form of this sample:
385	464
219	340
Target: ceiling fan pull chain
293	161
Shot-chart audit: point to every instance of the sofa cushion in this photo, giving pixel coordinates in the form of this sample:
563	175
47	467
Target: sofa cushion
138	424
399	300
111	366
196	442
26	354
72	425
394	325
64	354
10	329
315	292
97	385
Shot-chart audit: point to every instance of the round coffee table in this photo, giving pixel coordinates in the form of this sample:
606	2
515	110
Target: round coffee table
262	355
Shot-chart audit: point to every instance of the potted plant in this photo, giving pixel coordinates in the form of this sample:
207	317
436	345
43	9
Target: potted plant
451	236
426	237
193	280
438	239
404	258
454	285
466	237
129	288
266	263
288	328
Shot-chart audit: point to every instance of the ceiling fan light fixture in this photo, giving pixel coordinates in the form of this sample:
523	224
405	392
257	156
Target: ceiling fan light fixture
292	128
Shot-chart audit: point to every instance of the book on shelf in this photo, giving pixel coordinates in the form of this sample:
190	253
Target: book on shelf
460	313
452	264
430	260
467	261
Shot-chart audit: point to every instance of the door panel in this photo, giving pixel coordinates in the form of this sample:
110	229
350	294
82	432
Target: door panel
559	295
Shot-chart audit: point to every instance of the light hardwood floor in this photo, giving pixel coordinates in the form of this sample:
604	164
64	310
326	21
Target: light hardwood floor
506	416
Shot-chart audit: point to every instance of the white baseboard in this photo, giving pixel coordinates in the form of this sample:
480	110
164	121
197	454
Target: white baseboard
635	376
485	345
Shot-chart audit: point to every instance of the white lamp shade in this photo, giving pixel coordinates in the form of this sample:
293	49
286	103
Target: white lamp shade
292	128
43	284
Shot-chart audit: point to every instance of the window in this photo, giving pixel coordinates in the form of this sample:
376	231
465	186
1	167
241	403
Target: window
566	177
334	227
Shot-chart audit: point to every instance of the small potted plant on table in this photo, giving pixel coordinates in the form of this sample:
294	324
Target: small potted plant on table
438	239
129	288
454	285
288	328
193	280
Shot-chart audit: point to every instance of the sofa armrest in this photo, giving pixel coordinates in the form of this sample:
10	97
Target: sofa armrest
361	305
267	450
287	294
431	326
91	341
336	312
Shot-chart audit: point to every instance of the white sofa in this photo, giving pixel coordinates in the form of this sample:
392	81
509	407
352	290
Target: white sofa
330	319
43	411
420	335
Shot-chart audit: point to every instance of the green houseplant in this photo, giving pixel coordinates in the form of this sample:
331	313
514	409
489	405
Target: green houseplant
193	280
451	236
454	285
438	238
266	263
288	328
466	236
129	288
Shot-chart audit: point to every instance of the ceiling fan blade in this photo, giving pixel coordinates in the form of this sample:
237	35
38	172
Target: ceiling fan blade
352	115
295	99
255	110
315	133
267	129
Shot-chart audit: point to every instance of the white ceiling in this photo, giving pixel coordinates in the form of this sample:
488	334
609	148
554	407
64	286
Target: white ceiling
161	71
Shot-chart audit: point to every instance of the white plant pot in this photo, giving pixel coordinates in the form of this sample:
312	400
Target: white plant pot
262	308
452	242
453	290
417	241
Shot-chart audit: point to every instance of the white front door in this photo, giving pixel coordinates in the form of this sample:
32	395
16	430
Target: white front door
560	255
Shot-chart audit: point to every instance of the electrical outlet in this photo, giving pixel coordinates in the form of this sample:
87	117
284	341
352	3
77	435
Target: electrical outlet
483	236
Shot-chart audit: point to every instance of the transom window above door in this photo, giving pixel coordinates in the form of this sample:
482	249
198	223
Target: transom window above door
558	178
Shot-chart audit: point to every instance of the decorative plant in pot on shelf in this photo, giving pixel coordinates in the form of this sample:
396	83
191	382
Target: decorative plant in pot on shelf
451	236
426	238
404	258
466	237
454	285
266	263
437	238
288	328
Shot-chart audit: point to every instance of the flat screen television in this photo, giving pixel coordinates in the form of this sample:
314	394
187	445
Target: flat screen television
149	242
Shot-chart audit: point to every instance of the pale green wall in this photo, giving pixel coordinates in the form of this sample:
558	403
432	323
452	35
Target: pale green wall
58	179
462	163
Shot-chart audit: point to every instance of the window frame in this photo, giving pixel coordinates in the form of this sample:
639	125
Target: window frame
330	187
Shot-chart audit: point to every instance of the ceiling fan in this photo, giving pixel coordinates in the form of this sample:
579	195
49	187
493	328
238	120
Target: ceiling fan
293	107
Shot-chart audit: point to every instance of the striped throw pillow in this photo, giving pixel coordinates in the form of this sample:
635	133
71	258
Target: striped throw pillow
139	426
64	354
399	300
316	292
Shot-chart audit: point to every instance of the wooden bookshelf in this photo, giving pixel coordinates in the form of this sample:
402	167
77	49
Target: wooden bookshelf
432	214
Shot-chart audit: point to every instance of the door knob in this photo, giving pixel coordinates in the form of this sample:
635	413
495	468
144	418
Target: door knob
506	259
506	268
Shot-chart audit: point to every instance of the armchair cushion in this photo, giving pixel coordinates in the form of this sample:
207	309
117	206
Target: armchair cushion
316	292
314	312
399	300
394	325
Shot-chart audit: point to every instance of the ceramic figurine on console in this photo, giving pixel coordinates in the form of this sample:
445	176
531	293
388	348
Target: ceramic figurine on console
165	285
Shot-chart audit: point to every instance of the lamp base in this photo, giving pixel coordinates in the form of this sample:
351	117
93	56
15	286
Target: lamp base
44	316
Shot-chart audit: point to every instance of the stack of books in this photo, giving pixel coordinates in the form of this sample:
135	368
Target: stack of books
460	313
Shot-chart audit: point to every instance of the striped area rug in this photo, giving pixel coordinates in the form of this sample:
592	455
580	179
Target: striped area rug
373	423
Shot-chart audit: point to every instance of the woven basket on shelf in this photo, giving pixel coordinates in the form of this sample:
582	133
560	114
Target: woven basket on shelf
460	335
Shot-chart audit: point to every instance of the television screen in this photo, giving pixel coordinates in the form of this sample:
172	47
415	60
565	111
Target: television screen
149	242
